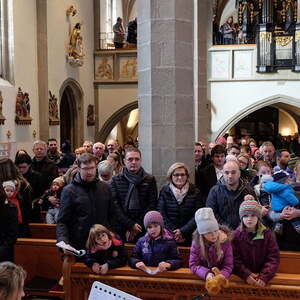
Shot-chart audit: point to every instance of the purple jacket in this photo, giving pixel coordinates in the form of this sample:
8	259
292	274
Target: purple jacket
201	267
255	255
152	252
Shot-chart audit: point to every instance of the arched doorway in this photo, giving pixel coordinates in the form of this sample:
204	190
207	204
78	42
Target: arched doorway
279	115
125	120
71	114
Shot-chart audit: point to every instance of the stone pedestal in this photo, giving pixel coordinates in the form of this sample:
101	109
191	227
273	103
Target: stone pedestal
166	92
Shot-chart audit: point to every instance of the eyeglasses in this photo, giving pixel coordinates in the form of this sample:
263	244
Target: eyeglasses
179	175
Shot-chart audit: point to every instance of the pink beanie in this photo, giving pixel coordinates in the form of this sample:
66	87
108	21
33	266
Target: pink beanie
153	216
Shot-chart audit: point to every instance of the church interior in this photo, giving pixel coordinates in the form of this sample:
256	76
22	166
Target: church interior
185	79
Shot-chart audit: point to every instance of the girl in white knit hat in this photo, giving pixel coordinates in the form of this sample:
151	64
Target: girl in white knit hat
211	246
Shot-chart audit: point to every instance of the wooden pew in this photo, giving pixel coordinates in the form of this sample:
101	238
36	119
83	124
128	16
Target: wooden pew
40	257
42	230
42	261
181	284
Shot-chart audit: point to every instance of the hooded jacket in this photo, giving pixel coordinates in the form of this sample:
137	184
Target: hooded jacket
201	267
226	203
255	253
282	195
153	251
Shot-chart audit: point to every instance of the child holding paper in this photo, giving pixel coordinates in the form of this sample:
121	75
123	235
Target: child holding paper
104	250
157	248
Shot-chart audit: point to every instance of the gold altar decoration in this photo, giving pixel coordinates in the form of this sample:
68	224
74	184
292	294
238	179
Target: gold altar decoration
283	40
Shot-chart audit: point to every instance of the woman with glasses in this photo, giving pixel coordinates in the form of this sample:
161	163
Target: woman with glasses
178	201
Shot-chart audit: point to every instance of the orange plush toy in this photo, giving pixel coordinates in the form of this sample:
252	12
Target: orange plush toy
215	284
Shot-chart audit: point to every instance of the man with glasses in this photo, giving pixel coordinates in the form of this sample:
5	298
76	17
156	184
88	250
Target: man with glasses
84	202
135	193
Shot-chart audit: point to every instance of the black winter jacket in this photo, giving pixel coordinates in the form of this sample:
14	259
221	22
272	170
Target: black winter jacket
83	204
147	191
8	231
47	168
226	203
180	216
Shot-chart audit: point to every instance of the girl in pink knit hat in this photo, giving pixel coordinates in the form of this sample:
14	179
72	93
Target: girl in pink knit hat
157	248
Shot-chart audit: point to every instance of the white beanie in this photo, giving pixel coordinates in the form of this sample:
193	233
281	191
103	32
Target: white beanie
205	220
11	183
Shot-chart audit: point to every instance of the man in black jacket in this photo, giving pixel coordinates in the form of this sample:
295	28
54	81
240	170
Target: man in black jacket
42	164
135	193
227	195
84	202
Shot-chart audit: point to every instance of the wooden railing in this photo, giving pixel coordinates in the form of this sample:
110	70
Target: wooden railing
40	257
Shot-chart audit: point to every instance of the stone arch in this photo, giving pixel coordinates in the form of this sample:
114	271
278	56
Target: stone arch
273	100
113	120
71	100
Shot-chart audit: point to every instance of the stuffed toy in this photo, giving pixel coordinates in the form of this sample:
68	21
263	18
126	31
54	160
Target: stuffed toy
215	284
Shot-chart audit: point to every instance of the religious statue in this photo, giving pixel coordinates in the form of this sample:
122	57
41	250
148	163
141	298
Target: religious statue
23	108
75	47
2	118
90	115
53	110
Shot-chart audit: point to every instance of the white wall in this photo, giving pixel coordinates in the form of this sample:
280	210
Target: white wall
58	69
25	75
113	97
287	125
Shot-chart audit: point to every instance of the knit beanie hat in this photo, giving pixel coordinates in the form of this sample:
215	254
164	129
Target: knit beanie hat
250	207
293	160
265	178
11	183
205	220
280	176
153	216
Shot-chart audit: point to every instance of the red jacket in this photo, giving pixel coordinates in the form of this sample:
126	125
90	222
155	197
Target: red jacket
253	254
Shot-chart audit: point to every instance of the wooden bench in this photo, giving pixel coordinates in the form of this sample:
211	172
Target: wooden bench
181	284
42	261
40	257
42	230
173	285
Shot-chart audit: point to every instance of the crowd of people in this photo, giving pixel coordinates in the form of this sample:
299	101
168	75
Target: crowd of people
244	203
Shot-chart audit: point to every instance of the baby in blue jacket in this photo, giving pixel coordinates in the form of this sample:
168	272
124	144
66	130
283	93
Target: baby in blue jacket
282	195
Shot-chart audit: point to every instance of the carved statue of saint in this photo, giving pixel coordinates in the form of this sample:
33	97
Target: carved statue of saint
90	115
23	108
75	43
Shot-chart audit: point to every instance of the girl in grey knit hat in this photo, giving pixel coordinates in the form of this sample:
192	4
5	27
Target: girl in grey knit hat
211	246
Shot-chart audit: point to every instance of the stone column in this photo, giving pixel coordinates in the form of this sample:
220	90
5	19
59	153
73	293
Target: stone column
166	96
42	57
203	38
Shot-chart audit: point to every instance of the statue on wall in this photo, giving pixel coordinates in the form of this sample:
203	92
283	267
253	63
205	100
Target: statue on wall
22	108
53	110
90	115
2	118
75	47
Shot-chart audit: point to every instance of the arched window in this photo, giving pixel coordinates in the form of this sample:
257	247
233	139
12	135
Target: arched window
6	40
